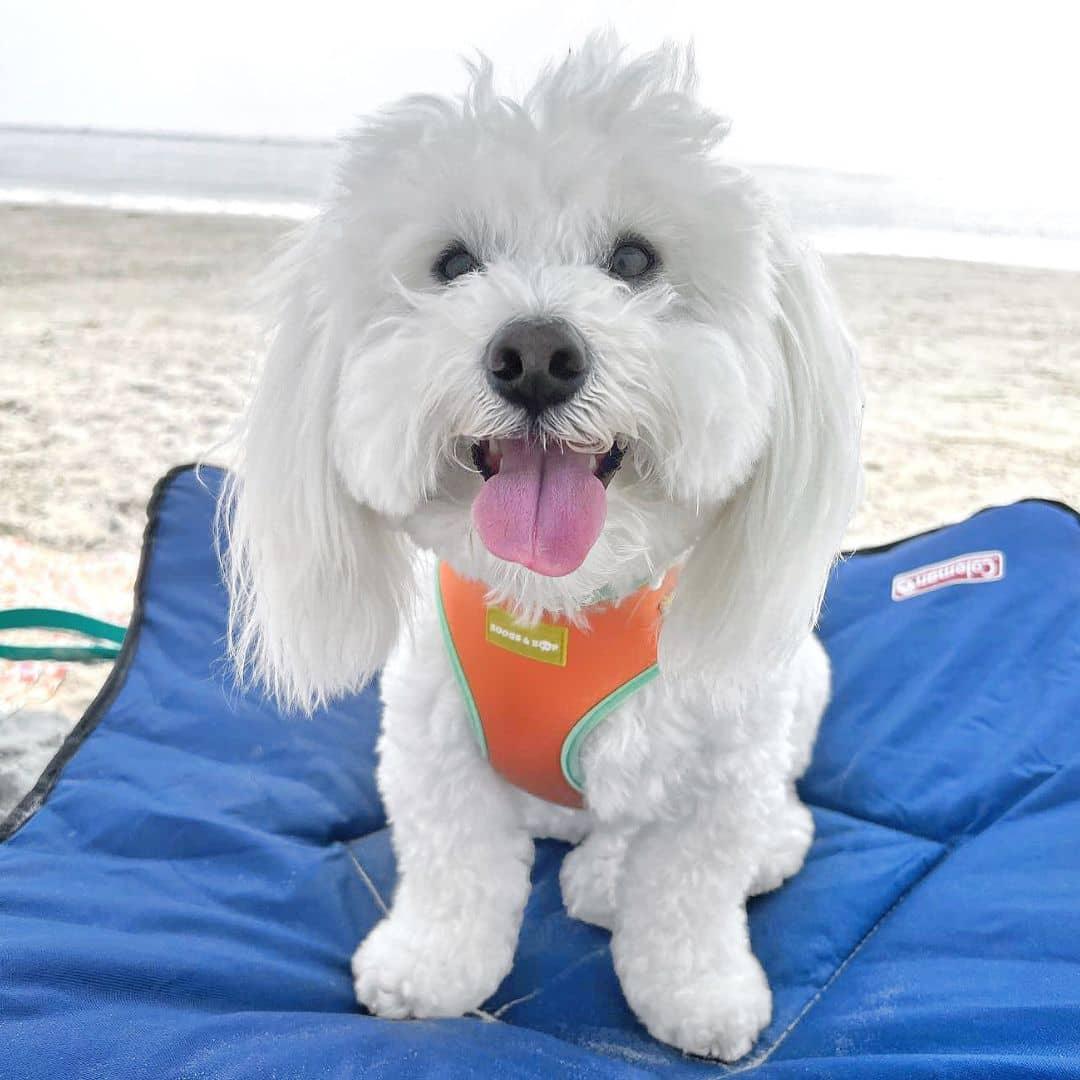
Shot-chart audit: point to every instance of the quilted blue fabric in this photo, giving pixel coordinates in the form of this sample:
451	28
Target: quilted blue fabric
180	895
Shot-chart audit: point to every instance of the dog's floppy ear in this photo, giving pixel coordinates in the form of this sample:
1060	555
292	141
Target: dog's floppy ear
753	584
317	582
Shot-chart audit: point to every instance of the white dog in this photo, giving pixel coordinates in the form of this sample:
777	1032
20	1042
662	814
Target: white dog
561	346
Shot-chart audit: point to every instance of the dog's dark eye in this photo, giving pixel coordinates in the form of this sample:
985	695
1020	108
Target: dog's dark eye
632	260
454	262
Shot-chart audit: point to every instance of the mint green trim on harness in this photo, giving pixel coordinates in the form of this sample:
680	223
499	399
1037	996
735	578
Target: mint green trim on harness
459	671
570	758
106	638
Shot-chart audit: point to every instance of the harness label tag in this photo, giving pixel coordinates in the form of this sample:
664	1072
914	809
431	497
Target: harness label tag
542	642
971	569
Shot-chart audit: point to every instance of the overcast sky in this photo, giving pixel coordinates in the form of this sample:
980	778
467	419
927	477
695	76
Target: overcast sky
965	90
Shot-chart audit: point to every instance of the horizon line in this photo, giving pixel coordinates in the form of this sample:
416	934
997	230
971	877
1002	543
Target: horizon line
165	134
327	142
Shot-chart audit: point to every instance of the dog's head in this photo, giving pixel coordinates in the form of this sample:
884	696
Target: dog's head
560	344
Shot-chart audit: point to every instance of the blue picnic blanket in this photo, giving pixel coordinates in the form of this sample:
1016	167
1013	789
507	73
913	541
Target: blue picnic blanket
181	893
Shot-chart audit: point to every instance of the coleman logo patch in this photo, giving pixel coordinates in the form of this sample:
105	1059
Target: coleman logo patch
972	569
542	642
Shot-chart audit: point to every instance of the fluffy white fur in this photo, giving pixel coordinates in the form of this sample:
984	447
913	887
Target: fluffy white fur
732	379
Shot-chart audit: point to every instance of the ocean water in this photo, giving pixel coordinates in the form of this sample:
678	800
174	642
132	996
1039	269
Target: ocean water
942	218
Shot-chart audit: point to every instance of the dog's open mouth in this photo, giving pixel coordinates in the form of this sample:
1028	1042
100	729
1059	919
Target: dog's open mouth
542	506
487	457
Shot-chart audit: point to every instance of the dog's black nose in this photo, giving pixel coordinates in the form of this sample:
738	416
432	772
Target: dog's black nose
536	363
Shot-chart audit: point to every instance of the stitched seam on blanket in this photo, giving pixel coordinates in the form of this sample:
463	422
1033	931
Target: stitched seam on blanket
500	1012
495	1017
544	986
840	968
844	812
961	835
948	850
367	880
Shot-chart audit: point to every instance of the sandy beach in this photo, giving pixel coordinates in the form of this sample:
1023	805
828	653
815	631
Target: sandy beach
128	344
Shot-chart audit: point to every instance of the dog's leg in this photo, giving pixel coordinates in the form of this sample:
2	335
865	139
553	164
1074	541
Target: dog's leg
463	862
812	674
680	943
791	831
590	875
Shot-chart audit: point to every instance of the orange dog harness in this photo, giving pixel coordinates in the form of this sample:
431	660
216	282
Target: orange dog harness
534	692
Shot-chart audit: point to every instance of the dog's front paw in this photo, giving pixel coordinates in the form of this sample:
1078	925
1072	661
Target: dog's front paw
428	969
714	1013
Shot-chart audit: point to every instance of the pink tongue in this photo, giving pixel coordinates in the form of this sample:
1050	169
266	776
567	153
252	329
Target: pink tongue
543	509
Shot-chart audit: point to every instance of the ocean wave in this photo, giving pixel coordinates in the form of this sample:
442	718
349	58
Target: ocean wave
998	249
159	204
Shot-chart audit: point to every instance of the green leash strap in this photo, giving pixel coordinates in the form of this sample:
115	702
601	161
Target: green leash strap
106	638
